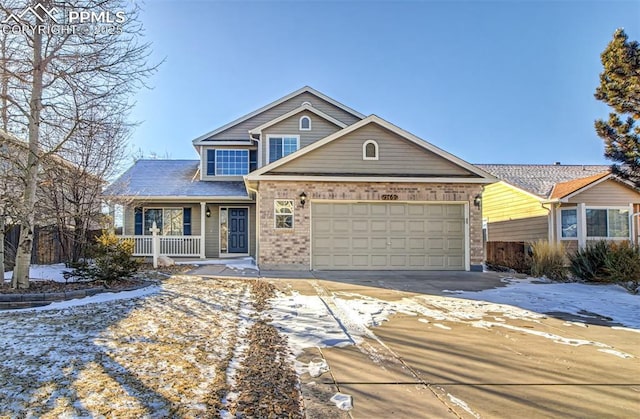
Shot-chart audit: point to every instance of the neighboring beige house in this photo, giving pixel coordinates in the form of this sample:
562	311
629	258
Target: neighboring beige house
308	183
568	203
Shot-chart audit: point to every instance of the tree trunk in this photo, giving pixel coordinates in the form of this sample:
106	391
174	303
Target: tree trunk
2	226
25	245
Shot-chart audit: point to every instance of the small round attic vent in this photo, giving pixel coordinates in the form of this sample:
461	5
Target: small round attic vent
307	104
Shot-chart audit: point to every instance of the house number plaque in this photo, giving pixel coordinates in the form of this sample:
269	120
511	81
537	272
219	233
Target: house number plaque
389	197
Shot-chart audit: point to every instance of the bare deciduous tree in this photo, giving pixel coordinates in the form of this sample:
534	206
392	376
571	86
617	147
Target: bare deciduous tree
61	82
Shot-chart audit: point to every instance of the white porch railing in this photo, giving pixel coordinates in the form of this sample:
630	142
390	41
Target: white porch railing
174	246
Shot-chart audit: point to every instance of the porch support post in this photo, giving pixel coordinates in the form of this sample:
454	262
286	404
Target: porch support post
582	225
203	219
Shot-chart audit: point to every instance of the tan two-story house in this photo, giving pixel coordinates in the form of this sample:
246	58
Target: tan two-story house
308	183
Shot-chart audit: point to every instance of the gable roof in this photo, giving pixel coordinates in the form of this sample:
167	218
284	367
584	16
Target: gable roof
171	178
540	179
482	176
303	107
563	189
305	89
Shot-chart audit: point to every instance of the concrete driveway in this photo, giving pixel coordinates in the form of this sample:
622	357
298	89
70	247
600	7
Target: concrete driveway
502	367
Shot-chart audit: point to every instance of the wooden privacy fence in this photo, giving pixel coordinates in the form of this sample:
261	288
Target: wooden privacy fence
508	254
47	248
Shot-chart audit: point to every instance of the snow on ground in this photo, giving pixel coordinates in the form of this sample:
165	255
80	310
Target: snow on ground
342	318
237	264
157	355
44	272
610	301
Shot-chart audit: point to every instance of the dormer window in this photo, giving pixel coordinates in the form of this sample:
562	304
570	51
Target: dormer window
370	150
305	123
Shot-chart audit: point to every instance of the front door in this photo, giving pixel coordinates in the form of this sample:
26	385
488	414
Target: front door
238	235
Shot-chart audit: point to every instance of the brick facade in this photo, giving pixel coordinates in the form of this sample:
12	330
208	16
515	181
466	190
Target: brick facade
291	249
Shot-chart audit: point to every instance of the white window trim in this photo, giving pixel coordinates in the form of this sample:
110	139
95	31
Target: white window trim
582	223
613	207
559	223
215	156
145	231
364	150
300	123
276	213
297	137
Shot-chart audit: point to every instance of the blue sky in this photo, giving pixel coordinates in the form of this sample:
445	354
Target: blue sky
491	82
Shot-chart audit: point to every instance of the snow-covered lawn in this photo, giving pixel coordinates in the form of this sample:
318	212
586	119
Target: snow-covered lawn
176	349
44	272
163	354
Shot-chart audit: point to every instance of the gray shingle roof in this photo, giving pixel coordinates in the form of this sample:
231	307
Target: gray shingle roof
158	178
539	179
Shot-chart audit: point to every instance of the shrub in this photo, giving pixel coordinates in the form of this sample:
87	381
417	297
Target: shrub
548	260
622	265
112	260
589	263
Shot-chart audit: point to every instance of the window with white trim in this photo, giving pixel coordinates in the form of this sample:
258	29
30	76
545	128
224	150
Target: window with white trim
280	146
569	223
283	213
170	221
305	123
370	150
608	223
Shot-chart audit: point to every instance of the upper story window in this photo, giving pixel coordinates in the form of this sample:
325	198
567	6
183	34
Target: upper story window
280	146
227	162
305	123
370	150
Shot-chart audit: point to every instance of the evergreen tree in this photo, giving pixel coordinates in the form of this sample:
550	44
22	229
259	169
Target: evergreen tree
620	89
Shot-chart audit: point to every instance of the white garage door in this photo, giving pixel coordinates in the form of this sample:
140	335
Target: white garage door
387	236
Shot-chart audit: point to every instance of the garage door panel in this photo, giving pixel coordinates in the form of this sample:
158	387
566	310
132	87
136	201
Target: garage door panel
378	243
398	261
379	261
391	235
397	226
397	210
360	243
416	244
416	226
378	210
360	226
378	225
435	226
398	243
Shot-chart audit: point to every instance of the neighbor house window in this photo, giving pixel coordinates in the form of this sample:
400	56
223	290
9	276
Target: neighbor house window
280	146
284	213
170	221
370	150
305	123
607	223
569	219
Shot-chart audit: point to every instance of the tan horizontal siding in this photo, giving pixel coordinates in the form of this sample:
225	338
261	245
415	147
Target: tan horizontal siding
212	239
502	202
240	131
607	193
320	128
396	156
526	229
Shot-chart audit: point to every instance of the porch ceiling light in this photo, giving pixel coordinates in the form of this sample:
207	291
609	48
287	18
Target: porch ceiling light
303	199
207	212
